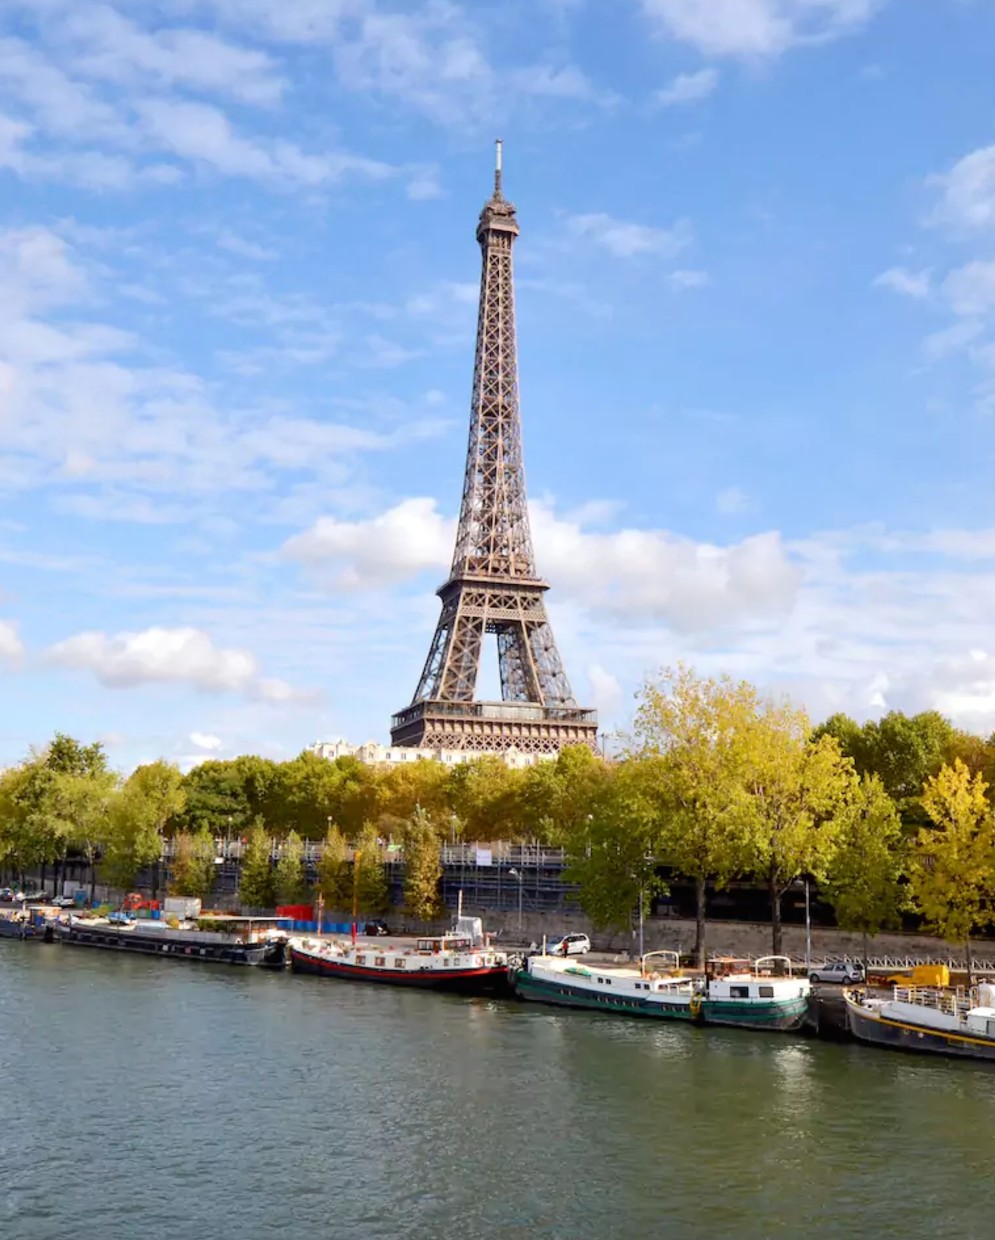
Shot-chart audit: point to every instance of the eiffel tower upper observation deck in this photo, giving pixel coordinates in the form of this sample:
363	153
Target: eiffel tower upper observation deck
493	585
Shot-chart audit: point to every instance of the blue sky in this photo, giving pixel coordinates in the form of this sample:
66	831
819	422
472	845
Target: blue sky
756	282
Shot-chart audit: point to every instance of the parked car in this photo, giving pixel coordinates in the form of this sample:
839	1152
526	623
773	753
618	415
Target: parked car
65	902
569	945
36	897
843	972
376	928
6	895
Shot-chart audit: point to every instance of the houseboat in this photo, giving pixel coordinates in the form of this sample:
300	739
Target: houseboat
927	1019
654	988
215	938
26	923
461	961
757	994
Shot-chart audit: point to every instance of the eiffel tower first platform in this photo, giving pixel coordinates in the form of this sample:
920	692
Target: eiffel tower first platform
493	585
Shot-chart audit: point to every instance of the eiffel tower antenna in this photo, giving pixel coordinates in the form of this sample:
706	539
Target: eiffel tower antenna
493	586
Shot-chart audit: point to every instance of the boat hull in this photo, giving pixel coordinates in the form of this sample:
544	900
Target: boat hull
486	980
902	1036
784	1015
107	938
563	993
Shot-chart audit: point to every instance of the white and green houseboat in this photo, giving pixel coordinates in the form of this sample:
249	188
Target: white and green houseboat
655	987
754	994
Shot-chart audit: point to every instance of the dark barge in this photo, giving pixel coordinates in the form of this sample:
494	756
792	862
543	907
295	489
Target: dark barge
219	939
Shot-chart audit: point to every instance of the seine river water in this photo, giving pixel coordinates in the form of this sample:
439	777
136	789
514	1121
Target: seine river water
140	1099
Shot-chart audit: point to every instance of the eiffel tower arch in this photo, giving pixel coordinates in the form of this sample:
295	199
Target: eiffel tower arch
493	587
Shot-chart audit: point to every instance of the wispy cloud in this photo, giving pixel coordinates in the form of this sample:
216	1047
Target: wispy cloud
688	88
627	239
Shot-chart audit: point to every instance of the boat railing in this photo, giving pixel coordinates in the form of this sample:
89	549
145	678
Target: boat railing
952	1002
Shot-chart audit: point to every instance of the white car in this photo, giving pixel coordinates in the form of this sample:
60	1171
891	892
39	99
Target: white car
569	945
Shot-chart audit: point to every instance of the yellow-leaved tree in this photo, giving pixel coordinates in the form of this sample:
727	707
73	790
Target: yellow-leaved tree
953	863
696	729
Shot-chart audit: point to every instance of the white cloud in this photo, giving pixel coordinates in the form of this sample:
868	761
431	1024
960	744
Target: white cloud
756	28
379	551
183	656
625	239
606	692
11	646
952	339
204	740
203	133
108	45
688	279
901	280
636	574
688	88
732	501
967	199
970	289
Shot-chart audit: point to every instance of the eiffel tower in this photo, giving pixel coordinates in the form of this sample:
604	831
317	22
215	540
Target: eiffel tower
493	586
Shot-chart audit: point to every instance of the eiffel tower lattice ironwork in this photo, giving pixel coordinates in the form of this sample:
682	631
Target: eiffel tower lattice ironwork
493	585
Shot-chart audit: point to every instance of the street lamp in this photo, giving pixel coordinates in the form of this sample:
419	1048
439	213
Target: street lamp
520	877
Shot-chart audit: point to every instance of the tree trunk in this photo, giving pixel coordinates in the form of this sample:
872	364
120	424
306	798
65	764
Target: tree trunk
775	918
699	927
93	878
56	870
970	962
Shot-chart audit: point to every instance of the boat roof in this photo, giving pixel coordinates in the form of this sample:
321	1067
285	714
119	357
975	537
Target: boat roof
230	917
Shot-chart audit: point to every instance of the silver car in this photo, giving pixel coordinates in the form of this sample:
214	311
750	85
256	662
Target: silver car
842	972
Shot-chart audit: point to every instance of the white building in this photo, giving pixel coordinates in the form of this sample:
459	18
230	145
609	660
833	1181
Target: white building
374	754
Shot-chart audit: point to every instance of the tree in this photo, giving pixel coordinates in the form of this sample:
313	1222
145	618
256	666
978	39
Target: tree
152	796
334	877
256	882
79	805
368	872
422	867
795	790
695	728
613	857
192	868
291	884
863	876
953	863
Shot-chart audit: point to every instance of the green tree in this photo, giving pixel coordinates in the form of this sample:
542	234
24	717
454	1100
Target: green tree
369	873
952	870
613	857
334	873
291	884
695	730
422	867
151	798
864	873
192	868
796	790
256	881
79	807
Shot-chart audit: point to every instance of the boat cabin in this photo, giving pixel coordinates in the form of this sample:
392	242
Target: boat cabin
456	943
768	977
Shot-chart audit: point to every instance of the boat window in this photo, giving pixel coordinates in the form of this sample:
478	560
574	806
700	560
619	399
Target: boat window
601	981
739	992
399	964
991	1028
766	992
379	960
361	960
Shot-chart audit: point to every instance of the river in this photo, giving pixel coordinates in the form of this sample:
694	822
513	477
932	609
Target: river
142	1099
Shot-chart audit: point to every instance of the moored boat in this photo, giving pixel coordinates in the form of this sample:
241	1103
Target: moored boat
927	1019
651	989
25	924
461	961
214	939
757	994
